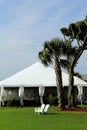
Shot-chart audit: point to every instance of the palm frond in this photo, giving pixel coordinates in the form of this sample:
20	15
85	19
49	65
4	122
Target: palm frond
63	63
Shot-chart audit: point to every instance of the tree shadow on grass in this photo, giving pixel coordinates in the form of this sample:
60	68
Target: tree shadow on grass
52	113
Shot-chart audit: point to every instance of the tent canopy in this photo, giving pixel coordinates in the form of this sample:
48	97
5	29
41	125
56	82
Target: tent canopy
37	75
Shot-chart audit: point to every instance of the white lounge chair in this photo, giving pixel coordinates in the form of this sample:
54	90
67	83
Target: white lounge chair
40	110
46	108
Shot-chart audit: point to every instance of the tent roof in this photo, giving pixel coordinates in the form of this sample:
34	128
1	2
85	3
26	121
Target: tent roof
79	82
37	75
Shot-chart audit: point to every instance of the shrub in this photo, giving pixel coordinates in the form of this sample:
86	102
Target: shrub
51	99
11	101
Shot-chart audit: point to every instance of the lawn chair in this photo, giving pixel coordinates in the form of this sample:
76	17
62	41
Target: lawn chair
46	109
40	110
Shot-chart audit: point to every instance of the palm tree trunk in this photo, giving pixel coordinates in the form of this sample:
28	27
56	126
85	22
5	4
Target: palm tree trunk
59	84
71	93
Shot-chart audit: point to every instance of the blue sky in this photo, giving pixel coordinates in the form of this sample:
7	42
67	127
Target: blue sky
26	24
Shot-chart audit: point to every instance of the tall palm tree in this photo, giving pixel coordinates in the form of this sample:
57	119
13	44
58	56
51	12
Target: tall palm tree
51	53
77	32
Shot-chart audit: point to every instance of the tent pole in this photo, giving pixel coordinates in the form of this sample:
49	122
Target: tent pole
81	90
21	102
41	100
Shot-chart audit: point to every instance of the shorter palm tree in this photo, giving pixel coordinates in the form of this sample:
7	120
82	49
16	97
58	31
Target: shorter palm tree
51	53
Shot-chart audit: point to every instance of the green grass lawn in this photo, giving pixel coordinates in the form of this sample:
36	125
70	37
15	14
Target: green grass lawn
25	119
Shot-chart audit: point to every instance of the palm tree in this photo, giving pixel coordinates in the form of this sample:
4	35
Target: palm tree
51	53
77	33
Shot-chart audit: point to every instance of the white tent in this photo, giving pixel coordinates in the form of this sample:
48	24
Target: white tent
38	75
